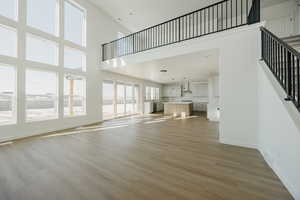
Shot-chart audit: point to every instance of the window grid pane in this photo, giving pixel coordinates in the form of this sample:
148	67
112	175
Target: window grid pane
41	95
7	95
9	9
74	59
41	50
74	95
8	41
43	15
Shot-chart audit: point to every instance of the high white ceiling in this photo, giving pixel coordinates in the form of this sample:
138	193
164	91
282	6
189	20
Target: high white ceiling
195	67
139	14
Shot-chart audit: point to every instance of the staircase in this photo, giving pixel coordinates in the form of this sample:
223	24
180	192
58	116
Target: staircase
293	41
221	16
283	58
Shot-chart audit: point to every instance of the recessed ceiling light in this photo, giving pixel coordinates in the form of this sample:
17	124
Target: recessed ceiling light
119	19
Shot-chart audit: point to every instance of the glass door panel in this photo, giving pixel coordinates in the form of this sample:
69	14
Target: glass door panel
120	100
129	99
108	100
136	99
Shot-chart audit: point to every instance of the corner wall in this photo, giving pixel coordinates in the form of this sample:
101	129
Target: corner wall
238	88
279	130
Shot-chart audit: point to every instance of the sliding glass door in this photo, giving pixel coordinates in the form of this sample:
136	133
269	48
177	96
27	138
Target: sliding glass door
129	100
136	99
108	108
120	99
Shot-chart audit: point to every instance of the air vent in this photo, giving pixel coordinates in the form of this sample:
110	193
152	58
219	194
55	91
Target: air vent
163	71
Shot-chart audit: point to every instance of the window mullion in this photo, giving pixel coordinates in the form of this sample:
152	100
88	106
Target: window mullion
21	96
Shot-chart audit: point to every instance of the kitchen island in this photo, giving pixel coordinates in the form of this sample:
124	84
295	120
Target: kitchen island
182	109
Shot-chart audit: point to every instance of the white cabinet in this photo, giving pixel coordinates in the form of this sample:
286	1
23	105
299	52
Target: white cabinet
148	107
199	89
172	90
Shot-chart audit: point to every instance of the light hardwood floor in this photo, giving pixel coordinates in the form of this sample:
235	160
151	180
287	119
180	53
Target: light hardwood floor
144	158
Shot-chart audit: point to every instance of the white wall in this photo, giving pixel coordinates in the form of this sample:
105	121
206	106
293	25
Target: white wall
213	99
282	19
100	28
279	130
106	75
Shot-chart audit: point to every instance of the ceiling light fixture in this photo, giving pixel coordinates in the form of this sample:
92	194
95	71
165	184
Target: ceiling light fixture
163	71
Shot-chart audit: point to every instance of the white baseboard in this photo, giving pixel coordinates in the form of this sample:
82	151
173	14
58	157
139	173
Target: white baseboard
237	143
295	192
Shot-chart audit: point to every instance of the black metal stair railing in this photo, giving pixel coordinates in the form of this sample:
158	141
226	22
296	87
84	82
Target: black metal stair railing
283	61
218	17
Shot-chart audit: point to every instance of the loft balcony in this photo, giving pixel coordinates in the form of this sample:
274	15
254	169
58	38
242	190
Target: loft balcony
221	16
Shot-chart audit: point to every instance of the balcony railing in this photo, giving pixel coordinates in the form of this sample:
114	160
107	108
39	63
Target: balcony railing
218	17
283	61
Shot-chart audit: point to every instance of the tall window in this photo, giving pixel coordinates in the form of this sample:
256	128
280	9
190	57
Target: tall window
8	41
74	95
43	15
9	9
41	95
7	94
43	42
108	92
75	23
